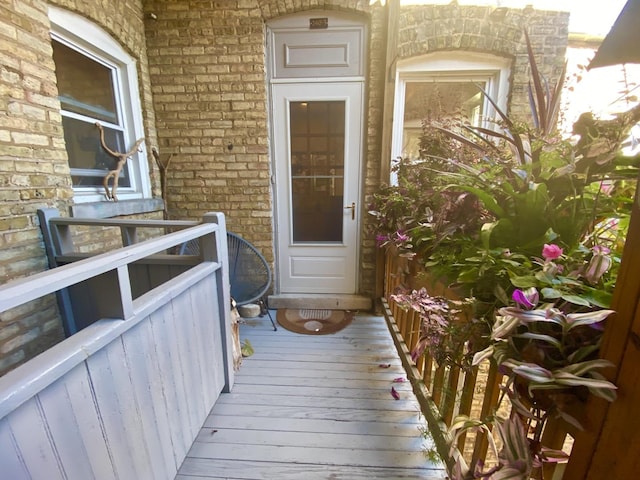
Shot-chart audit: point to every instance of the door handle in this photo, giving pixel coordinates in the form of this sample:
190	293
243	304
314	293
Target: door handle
353	210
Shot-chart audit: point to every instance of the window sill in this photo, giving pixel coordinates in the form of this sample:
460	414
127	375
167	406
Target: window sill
115	209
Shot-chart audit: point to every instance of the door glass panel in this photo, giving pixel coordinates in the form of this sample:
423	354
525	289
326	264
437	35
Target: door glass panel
441	101
317	170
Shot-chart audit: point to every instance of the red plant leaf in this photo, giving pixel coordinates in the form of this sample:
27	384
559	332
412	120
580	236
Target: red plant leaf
395	394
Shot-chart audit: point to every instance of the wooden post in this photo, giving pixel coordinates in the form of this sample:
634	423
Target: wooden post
218	252
393	13
605	449
62	296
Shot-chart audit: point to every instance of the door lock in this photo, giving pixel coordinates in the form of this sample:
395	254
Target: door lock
353	210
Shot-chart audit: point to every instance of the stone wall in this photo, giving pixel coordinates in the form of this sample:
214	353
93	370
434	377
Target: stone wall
499	31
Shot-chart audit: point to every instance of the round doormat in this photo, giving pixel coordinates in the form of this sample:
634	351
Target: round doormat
314	322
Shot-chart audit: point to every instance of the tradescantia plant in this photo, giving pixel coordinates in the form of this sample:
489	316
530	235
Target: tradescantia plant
481	203
520	457
519	215
549	358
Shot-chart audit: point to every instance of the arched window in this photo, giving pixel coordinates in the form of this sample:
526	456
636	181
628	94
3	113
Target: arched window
97	82
441	86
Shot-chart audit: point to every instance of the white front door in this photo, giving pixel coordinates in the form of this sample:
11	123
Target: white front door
317	149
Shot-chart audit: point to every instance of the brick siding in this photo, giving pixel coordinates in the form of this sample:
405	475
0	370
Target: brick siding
34	168
201	68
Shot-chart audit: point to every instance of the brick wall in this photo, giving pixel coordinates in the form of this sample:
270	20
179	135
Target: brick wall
34	171
209	83
203	94
33	167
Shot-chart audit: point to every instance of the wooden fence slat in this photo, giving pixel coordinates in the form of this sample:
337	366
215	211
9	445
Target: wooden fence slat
82	401
466	400
12	465
65	432
449	403
172	381
32	441
438	385
116	413
141	367
189	371
490	399
427	374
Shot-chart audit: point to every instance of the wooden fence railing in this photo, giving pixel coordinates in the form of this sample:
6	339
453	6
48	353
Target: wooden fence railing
126	396
445	391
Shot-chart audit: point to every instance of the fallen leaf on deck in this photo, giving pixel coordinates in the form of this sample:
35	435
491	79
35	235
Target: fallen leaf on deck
247	348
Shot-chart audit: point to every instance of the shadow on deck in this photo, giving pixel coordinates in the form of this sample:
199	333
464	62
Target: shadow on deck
315	407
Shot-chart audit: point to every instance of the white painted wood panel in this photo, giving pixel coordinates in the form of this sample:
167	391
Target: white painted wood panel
13	466
124	398
32	442
82	401
171	381
64	429
141	361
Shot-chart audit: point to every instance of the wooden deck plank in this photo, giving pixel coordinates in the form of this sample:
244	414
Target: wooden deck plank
314	407
205	469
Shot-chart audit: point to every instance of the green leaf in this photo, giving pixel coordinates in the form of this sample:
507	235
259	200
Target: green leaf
551	293
246	349
468	276
587	318
524	281
582	353
482	355
599	298
485	234
575	299
543	338
487	200
504	326
564	378
581	368
534	372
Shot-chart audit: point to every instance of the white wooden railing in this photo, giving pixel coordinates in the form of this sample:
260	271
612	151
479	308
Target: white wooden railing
125	397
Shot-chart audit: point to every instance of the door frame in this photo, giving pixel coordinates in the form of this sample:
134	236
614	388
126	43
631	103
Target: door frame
353	69
353	179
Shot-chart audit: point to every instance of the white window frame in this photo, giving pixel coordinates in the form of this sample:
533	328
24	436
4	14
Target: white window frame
449	66
90	40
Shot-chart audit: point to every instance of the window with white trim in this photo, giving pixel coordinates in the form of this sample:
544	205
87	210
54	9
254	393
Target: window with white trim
97	82
444	85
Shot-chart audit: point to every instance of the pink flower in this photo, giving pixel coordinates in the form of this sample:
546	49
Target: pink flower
527	299
551	251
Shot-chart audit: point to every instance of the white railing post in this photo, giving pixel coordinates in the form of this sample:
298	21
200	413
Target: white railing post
218	252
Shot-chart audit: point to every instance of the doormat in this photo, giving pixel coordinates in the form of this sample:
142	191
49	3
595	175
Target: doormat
314	322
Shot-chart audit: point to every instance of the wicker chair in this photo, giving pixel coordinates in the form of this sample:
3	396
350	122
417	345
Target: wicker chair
249	272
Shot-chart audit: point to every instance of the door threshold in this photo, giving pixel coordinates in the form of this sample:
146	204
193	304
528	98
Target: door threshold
324	301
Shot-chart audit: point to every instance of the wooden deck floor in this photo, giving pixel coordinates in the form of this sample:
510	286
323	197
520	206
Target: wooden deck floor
314	407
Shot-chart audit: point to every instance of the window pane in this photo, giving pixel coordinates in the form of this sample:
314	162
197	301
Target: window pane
317	167
456	101
88	161
85	86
